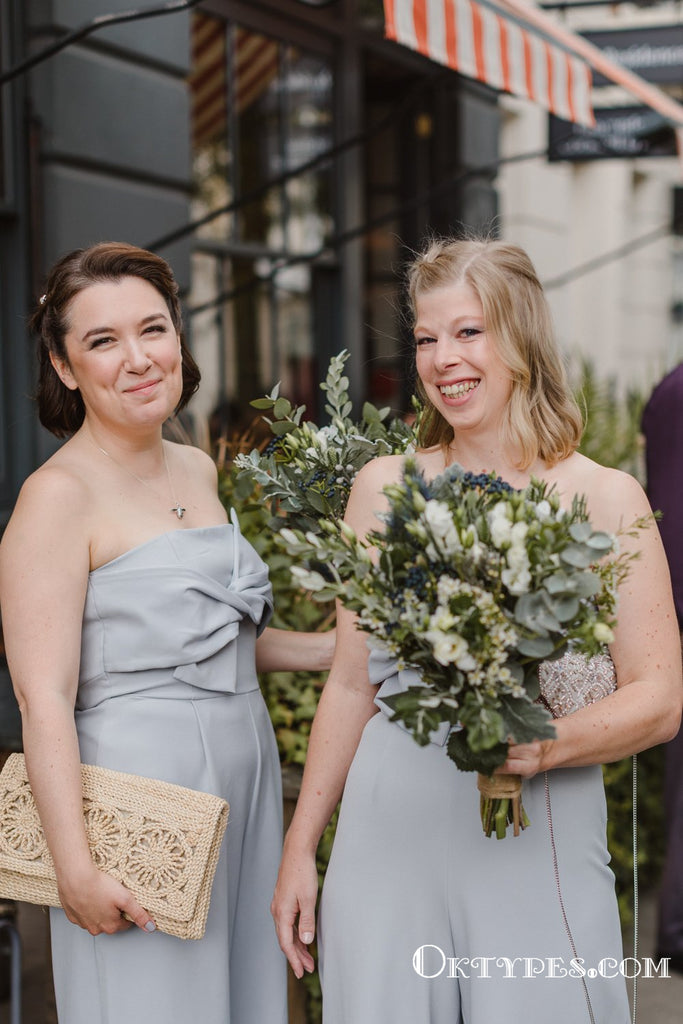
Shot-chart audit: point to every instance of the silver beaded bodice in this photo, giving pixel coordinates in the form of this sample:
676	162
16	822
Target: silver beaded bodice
573	681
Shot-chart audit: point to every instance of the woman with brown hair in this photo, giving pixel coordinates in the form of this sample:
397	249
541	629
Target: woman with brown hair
423	918
131	610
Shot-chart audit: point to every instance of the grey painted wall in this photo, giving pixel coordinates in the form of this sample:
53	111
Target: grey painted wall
113	115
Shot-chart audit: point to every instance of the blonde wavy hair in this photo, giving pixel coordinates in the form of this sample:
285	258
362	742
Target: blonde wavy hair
542	419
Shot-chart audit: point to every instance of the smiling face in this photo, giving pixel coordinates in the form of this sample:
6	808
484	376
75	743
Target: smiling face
457	360
123	354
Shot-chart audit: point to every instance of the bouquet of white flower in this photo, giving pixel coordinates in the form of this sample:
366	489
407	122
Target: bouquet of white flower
473	584
307	471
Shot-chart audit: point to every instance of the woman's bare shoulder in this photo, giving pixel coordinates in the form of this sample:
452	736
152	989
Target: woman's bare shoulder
193	460
59	484
50	519
614	498
379	472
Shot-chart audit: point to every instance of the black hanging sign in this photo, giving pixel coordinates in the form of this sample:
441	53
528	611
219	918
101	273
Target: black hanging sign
619	132
656	54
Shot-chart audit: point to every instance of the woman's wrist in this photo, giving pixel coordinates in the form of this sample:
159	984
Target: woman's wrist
300	842
74	875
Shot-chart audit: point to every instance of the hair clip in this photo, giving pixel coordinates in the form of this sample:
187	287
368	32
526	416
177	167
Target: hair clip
42	299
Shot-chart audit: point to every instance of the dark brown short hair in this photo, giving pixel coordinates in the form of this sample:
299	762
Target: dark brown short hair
61	410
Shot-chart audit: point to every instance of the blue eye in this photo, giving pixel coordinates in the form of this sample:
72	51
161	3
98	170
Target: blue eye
424	341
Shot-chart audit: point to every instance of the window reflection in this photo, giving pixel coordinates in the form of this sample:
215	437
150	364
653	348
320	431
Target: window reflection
371	14
307	88
261	109
213	172
255	62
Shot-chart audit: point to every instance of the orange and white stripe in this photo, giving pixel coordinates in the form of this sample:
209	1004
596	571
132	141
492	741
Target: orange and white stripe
478	42
208	79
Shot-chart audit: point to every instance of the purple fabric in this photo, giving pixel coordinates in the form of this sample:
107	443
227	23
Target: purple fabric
663	429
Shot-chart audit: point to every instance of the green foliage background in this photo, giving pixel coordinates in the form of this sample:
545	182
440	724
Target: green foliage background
611	437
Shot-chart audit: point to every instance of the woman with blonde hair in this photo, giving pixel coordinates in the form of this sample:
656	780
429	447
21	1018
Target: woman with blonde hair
423	918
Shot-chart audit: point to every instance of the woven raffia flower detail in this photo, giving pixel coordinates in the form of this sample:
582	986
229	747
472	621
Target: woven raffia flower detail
105	831
158	861
21	830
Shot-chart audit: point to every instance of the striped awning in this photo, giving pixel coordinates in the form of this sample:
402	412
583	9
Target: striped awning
242	63
483	43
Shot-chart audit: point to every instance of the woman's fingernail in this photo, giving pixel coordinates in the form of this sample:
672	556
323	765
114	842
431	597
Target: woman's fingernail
150	926
307	937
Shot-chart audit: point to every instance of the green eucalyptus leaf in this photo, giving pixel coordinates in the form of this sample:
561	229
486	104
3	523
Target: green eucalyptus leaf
565	608
535	612
282	408
467	760
370	413
535	647
485	727
600	541
559	583
262	403
580	532
526	722
586	584
281	427
578	555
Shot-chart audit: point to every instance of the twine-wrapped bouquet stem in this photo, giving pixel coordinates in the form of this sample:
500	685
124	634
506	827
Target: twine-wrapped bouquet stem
500	802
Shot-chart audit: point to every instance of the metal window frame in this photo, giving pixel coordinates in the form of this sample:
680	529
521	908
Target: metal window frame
8	193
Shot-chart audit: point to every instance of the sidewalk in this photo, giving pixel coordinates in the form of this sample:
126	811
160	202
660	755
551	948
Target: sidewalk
660	1000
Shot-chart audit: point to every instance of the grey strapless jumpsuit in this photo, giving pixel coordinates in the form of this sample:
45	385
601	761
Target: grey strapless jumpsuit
424	920
168	689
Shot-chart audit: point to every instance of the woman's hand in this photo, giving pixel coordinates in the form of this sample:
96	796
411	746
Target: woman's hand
97	902
293	909
526	759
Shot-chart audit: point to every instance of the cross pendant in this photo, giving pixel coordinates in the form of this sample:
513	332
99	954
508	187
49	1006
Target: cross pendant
179	510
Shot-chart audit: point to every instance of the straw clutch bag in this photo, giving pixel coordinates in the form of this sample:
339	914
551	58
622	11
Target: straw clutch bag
160	840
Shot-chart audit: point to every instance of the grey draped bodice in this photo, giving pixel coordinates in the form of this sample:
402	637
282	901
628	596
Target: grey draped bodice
177	616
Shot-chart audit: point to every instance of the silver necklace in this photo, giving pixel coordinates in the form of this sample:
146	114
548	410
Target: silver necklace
177	509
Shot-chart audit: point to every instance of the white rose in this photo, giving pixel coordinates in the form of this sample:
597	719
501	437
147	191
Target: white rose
543	511
500	524
518	533
447	647
438	517
517	580
442	620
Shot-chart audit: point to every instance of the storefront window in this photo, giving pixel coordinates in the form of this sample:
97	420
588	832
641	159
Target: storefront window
261	109
307	86
371	14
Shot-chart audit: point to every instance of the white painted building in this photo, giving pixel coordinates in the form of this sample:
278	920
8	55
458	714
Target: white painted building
620	314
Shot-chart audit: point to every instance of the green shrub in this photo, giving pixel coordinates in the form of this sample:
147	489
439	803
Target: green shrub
612	437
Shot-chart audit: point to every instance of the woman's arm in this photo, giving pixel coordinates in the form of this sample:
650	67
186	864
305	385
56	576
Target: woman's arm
346	705
44	565
286	650
646	707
